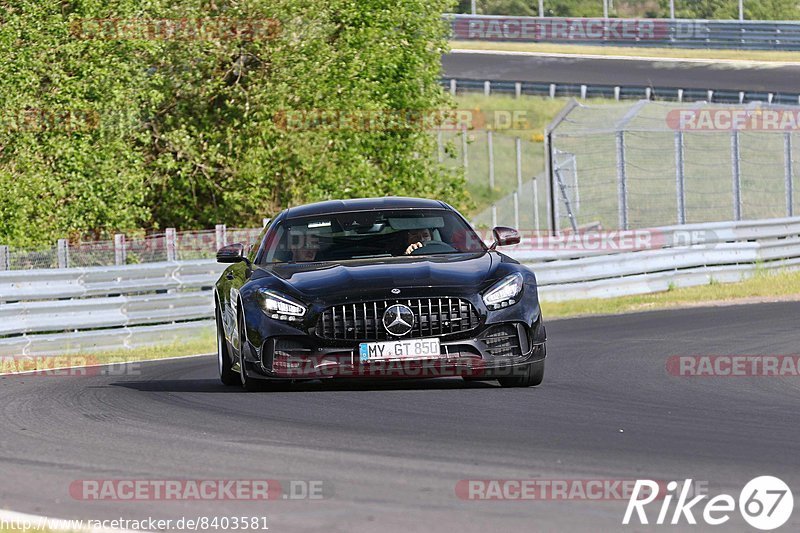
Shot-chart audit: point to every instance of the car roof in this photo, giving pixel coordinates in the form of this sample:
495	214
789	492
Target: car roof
364	204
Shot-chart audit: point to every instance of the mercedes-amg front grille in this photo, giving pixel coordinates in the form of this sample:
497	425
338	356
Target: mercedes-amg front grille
364	320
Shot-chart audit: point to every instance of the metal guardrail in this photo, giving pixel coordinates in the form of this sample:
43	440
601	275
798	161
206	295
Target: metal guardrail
676	33
618	92
51	312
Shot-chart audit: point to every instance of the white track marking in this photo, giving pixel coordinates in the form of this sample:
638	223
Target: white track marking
45	524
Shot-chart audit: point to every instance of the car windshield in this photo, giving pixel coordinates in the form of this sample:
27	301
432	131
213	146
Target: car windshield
370	234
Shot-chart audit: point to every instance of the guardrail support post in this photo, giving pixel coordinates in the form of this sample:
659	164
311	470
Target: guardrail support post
494	215
709	95
741	97
63	253
487	88
171	245
680	95
453	84
221	233
517	89
616	93
516	210
788	170
622	185
736	175
583	92
680	179
5	258
120	249
552	90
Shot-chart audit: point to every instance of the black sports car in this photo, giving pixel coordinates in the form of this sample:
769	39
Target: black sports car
382	287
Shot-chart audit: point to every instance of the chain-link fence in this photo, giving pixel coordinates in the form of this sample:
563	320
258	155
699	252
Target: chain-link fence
503	175
170	245
653	164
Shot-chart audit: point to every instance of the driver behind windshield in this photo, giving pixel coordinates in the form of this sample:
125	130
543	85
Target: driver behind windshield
416	238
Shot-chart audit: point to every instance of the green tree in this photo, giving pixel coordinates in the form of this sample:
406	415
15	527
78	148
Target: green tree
187	133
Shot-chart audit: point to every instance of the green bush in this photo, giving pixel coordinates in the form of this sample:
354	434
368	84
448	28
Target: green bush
104	135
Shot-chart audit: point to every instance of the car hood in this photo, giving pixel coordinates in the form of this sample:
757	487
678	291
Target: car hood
361	278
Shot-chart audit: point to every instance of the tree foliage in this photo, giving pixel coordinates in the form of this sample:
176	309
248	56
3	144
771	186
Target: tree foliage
151	133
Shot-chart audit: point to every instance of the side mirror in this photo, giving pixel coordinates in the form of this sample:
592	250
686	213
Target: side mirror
233	253
504	236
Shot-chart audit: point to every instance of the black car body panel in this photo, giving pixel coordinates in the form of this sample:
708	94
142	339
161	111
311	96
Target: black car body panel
346	303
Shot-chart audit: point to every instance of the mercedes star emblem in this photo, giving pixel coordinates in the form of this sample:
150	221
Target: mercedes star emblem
398	319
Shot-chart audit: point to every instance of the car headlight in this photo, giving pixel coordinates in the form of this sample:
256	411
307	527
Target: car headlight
505	292
281	307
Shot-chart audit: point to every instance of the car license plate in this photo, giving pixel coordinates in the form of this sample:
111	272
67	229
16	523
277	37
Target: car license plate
399	349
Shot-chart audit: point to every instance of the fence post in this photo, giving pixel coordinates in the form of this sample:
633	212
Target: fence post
120	249
490	144
63	253
5	258
171	245
622	186
221	233
541	8
736	175
789	171
440	145
535	204
518	150
464	148
680	178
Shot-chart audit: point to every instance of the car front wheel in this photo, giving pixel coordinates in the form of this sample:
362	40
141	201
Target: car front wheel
530	377
226	374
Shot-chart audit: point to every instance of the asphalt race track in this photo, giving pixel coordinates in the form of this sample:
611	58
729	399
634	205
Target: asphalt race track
680	74
390	455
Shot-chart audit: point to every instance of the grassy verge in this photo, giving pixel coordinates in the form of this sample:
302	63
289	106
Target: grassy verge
676	53
764	285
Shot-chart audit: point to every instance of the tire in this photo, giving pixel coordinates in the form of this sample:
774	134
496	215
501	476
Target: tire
226	374
532	376
249	384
